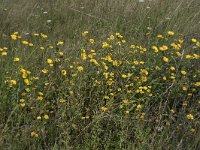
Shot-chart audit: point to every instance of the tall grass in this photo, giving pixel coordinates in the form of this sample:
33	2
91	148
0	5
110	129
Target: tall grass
136	86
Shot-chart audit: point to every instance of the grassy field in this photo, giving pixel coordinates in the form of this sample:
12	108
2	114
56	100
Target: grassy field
100	74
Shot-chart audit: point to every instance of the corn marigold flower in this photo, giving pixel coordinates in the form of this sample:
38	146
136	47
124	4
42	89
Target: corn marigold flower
172	68
34	134
190	117
64	72
183	72
36	34
80	68
60	43
16	59
14	37
30	44
197	83
39	118
104	109
61	100
165	59
91	41
46	117
85	33
49	61
155	48
112	37
27	81
44	35
139	106
4	53
22	105
39	98
25	42
45	71
163	48
170	33
83	56
160	36
194	40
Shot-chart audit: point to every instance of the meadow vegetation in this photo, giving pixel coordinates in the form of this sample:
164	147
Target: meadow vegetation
100	74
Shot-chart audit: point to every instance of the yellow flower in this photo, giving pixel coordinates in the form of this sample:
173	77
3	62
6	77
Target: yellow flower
27	82
40	93
139	106
112	37
36	34
178	54
16	33
80	68
91	41
64	72
25	42
127	111
164	78
13	82
190	117
40	98
172	68
163	48
22	100
34	134
46	117
165	59
183	72
16	59
60	43
170	33
124	76
14	37
104	108
4	53
49	61
43	35
45	71
197	84
155	48
85	33
61	100
39	118
184	88
94	61
30	44
188	57
194	40
160	36
22	104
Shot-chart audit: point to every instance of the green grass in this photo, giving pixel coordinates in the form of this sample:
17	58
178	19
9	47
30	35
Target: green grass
121	99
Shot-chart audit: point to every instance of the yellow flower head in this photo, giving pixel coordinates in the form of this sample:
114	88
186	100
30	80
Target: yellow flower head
34	134
104	108
49	61
60	43
183	72
85	33
80	68
165	59
64	72
170	33
190	117
16	59
91	41
46	117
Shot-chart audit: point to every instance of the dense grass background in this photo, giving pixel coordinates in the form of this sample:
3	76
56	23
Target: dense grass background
65	20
